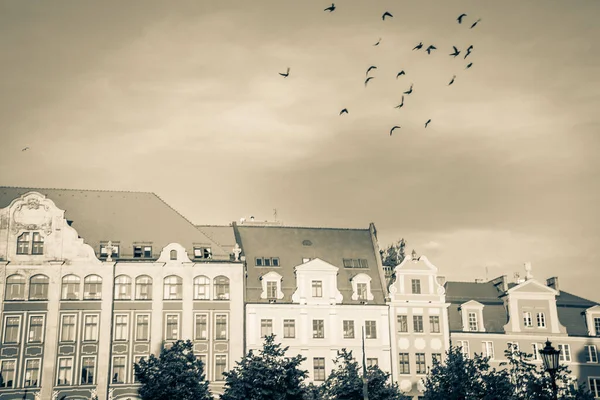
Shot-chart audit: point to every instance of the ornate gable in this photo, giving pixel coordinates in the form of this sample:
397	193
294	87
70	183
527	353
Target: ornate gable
316	270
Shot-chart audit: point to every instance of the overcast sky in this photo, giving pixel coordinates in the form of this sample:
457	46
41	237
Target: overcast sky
184	99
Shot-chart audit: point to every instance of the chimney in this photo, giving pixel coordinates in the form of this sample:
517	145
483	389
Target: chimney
500	283
553	283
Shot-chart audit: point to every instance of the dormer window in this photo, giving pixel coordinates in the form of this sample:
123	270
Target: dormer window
266	262
104	250
473	325
472	316
202	252
355	263
597	325
317	288
142	251
416	286
271	286
30	243
272	290
361	286
361	290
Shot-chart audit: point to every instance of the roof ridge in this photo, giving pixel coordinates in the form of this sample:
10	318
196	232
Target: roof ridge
302	227
75	190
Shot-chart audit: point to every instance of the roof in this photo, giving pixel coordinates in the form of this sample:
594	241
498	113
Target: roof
292	244
221	234
124	217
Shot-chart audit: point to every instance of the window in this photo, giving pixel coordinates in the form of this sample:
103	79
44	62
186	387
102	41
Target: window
172	327
536	347
513	347
201	252
88	370
488	349
361	290
7	371
143	288
266	327
266	262
122	287
12	328
436	358
271	289
201	288
201	327
65	371
32	373
434	324
30	243
104	250
121	327
142	251
464	345
172	288
318	329
402	323
541	320
403	363
473	325
67	328
317	288
258	261
23	243
221	327
591	355
370	330
289	328
15	287
371	362
221	288
220	366
527	321
36	329
90	328
142	327
275	262
565	352
118	369
416	286
70	287
38	287
319	368
418	323
594	385
136	360
597	325
421	366
204	359
348	329
355	263
173	255
92	287
38	244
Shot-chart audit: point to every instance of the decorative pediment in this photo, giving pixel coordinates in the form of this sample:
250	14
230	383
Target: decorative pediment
316	270
316	264
174	253
472	304
364	279
412	264
532	286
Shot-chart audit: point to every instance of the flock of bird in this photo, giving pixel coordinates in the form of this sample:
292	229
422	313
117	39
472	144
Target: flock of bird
419	46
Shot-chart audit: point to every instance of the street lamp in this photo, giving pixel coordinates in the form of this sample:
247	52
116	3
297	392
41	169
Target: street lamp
550	358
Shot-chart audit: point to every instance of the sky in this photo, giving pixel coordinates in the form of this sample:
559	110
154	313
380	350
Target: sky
184	99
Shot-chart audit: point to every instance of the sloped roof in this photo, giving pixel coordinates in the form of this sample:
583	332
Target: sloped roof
329	244
221	234
124	217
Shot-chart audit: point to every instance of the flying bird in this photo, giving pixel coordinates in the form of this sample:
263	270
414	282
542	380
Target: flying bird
26	148
468	51
475	23
368	79
469	65
456	52
370	68
419	46
401	104
409	91
460	17
452	81
345	110
427	123
330	9
386	14
377	44
286	74
400	73
392	130
432	47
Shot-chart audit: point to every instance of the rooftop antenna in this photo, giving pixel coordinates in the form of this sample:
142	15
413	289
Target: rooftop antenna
275	214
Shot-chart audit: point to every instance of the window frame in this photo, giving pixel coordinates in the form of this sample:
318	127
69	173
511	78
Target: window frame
215	373
43	329
148	327
216	331
266	327
94	374
177	329
347	328
59	369
22	287
66	284
147	285
96	330
289	328
44	285
62	327
87	285
206	324
112	370
38	372
125	330
14	372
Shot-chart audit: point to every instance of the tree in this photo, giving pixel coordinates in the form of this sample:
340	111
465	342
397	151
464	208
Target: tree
267	376
393	254
176	374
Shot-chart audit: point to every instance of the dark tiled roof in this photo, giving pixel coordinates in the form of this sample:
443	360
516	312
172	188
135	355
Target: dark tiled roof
329	244
124	217
221	234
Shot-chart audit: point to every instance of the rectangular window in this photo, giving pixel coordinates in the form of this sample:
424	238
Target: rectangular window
90	328
271	289
536	347
541	320
436	358
319	368
527	321
488	349
597	326
142	327
266	327
220	366
275	262
23	243
402	323
118	369
38	244
204	359
371	362
418	323
355	263
121	327
12	328
416	286
565	352
258	261
318	329
289	328
88	370
370	330
201	328
594	385
421	366
32	373
266	262
473	325
36	329
7	370
591	355
172	327
136	360
67	329
317	289
65	371
104	250
403	363
434	323
348	329
221	327
464	345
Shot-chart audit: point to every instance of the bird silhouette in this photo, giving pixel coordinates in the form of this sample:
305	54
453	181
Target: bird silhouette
370	68
460	17
26	148
400	73
452	81
475	23
368	79
377	44
456	52
432	47
286	74
386	14
409	91
427	123
419	46
345	110
468	51
395	127
469	65
401	104
330	9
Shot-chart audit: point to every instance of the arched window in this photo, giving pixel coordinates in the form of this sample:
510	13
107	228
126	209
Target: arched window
38	287
122	287
172	288
173	254
201	288
15	287
143	288
70	287
221	288
92	287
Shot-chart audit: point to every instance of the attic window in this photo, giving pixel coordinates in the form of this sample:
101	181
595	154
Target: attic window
355	263
104	252
202	252
266	262
306	243
142	251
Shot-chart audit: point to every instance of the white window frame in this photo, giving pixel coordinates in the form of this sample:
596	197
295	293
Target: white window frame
43	337
473	320
594	389
112	370
95	370
178	334
374	330
316	287
58	370
464	344
14	371
267	321
565	350
19	329
542	320
431	324
149	327
196	315
477	308
62	325
220	378
206	285
350	323
97	331
592	353
536	351
127	333
270	276
136	360
527	319
226	326
39	372
293	327
486	349
315	331
361	278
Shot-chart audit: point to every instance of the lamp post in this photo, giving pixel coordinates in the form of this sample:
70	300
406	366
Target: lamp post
550	358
